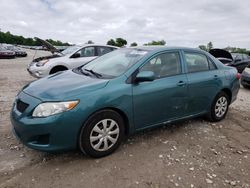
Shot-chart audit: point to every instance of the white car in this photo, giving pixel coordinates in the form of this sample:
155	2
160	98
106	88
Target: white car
72	57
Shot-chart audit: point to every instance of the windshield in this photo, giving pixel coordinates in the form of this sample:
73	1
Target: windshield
234	55
115	63
70	50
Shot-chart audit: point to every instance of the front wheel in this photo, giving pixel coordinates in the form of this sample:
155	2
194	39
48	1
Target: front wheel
101	134
219	107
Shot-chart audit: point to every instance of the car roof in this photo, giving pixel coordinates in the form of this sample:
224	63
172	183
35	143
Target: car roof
85	45
161	48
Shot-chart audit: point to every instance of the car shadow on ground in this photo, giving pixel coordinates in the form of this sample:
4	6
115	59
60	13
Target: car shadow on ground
146	135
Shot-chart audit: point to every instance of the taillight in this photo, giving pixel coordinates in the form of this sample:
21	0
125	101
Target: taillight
238	75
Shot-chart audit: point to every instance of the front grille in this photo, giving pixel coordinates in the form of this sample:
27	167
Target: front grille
21	106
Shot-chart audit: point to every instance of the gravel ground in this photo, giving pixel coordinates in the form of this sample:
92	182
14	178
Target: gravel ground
191	153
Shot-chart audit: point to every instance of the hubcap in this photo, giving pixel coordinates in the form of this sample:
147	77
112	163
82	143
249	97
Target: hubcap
104	135
221	107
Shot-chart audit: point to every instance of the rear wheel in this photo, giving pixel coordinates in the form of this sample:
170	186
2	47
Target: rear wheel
101	134
219	107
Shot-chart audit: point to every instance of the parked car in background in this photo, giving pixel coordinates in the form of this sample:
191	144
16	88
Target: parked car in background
241	61
245	77
237	60
69	58
93	107
18	51
6	54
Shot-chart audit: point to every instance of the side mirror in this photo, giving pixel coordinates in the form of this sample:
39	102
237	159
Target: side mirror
145	76
75	55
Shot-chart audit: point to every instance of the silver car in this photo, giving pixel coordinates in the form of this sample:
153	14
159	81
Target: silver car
72	57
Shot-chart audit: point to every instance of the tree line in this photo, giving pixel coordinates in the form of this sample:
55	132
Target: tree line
7	37
210	46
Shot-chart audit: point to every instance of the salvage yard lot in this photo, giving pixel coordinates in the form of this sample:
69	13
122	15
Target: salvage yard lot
191	153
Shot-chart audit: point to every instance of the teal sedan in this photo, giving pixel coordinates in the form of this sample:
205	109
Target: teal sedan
95	106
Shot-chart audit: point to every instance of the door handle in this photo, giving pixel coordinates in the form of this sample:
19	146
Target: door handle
181	83
216	76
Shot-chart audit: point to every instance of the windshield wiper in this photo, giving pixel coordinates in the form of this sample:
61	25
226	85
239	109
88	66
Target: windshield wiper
82	72
94	73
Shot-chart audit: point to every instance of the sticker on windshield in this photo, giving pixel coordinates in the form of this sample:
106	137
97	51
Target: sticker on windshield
138	52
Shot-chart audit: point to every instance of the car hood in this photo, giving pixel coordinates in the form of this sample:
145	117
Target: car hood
62	86
220	53
47	57
47	45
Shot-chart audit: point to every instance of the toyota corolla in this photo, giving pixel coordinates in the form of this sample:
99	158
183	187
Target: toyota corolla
95	106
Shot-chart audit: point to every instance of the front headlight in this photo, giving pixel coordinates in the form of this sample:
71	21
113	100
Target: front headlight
51	108
42	62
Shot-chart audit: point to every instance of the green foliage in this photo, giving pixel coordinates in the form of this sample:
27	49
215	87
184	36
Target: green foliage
90	42
203	47
111	42
121	42
20	40
160	42
207	47
134	44
117	42
210	46
237	50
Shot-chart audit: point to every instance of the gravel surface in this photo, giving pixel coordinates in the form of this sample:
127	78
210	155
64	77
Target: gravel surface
191	153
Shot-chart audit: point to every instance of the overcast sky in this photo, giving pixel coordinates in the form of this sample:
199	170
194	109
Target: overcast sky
178	22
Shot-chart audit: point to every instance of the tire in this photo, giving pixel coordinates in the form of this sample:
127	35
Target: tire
219	107
103	142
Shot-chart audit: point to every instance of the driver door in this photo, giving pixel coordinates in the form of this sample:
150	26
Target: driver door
166	97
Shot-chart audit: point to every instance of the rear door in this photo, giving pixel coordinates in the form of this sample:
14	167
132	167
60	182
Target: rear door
101	50
163	99
83	56
203	81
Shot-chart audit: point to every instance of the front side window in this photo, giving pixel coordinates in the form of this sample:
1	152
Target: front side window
163	65
196	62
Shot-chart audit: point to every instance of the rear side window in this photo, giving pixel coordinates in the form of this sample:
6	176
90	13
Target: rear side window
196	62
101	50
87	51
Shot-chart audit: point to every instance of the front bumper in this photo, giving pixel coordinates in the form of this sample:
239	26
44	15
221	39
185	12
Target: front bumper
38	72
54	133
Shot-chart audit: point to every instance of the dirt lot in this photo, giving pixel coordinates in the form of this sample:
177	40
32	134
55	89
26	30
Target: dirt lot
193	153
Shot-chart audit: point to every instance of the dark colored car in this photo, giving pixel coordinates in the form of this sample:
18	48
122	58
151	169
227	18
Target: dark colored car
18	51
93	107
241	61
6	54
237	60
245	77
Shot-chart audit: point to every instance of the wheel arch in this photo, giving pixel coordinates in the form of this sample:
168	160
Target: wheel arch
58	67
117	110
228	92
